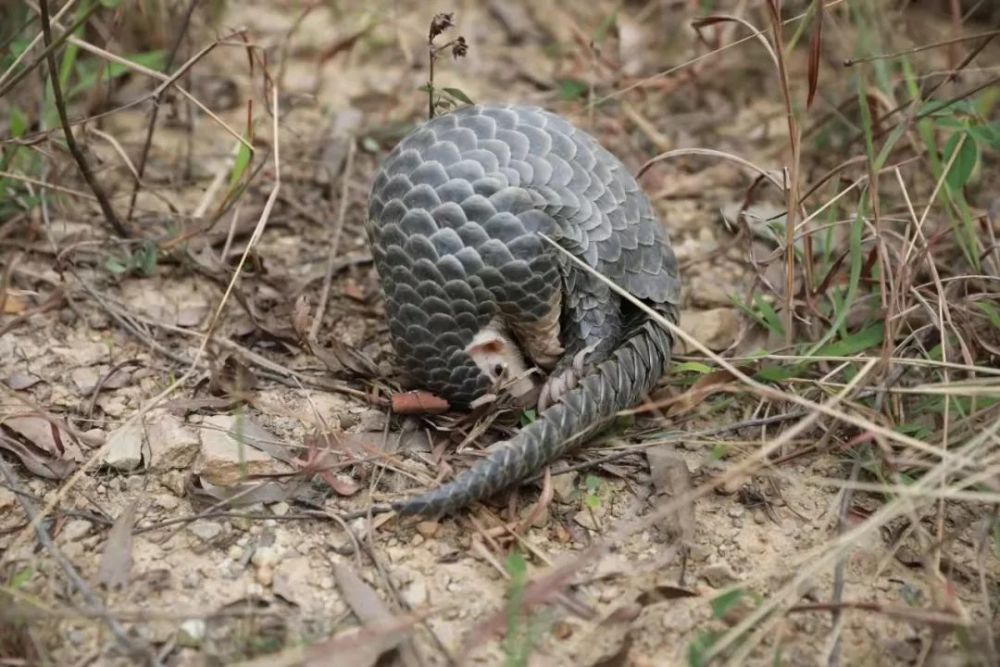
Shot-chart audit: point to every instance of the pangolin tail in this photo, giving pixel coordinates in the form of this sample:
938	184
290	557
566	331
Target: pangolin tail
617	383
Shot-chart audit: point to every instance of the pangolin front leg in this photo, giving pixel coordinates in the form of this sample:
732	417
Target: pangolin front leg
475	297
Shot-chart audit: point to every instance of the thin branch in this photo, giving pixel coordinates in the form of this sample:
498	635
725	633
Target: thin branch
334	247
792	184
851	62
155	110
74	149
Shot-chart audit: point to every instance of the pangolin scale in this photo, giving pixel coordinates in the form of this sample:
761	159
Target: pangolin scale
454	222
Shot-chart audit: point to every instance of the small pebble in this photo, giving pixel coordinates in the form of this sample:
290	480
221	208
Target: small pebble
428	528
75	529
731	486
373	420
265	557
719	575
206	530
167	501
609	593
192	632
341	544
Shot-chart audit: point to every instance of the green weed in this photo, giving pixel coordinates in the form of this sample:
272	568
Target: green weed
524	630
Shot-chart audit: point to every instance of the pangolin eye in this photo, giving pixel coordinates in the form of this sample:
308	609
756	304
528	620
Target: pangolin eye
499	370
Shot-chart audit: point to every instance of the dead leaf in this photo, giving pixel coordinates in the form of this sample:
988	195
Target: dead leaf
624	614
339	357
248	432
359	596
671	479
327	451
372	611
342	485
231	377
665	592
118	379
418	403
42	447
20	381
116	559
37	463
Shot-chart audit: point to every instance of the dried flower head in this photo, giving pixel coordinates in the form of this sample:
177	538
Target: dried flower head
440	23
459	48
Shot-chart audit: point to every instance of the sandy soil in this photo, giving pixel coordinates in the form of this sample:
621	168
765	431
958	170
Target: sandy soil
236	551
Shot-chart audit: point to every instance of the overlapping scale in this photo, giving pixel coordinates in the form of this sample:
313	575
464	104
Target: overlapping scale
454	216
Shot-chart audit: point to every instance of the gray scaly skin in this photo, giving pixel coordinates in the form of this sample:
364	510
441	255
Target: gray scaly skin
454	219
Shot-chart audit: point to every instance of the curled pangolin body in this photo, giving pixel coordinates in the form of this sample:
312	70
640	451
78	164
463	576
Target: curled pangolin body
454	222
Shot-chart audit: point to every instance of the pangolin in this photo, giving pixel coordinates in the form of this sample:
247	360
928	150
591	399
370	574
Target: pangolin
475	295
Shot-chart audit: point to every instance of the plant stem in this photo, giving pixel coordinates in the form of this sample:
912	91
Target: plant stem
430	83
74	149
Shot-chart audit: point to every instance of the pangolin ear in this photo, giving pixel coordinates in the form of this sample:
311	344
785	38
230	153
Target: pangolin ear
492	343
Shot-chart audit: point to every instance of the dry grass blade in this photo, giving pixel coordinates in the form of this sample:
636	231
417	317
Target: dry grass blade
791	186
708	152
850	62
372	612
722	18
826	554
815	51
169	81
704	56
766	391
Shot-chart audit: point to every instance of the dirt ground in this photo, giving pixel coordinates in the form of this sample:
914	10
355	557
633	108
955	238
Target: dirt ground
198	487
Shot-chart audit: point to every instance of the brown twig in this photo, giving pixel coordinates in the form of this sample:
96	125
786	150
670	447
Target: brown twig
886	129
155	109
335	234
167	81
102	198
851	62
792	184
